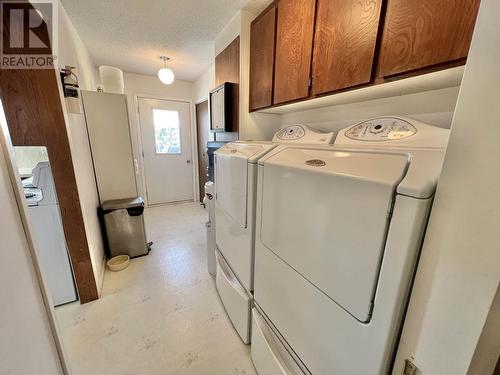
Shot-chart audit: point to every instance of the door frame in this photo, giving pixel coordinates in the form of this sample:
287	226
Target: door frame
141	185
200	188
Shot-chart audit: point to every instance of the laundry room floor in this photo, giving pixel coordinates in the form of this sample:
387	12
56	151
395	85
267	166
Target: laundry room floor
162	314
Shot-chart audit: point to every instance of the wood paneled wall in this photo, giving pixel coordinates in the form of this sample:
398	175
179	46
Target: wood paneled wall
35	118
227	69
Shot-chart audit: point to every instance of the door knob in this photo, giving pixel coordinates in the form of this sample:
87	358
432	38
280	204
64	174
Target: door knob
188	161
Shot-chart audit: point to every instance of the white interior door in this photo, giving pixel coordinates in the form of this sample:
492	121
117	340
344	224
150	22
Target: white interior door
167	150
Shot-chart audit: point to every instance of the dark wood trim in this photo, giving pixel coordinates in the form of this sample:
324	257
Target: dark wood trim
35	118
202	136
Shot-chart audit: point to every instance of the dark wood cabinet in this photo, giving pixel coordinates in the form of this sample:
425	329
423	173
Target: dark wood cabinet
294	42
262	42
323	46
419	34
344	43
227	69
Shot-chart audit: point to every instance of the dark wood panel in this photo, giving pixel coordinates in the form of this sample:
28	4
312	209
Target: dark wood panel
227	69
262	48
227	64
202	133
344	43
294	39
423	33
35	118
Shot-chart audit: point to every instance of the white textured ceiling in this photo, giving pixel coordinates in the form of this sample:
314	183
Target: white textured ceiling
132	34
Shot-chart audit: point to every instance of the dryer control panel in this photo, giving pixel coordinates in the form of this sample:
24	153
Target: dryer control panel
302	134
381	129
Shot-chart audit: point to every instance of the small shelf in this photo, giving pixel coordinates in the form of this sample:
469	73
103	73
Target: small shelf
432	81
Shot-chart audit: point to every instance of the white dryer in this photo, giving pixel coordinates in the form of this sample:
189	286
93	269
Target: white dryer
338	235
235	193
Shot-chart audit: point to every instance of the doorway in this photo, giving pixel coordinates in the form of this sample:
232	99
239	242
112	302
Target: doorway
203	133
165	127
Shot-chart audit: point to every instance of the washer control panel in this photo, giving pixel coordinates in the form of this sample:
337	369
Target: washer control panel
302	134
381	129
291	133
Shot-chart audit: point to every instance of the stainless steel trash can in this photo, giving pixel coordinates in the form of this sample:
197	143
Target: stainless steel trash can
124	222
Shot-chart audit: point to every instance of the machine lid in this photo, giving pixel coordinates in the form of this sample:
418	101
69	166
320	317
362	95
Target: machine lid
393	132
325	213
302	134
117	204
248	150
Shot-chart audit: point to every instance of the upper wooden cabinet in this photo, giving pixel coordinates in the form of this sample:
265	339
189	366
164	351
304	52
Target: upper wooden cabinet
344	43
262	37
294	41
323	46
227	69
422	33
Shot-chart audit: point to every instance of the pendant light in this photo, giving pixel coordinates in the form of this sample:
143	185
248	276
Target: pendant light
166	75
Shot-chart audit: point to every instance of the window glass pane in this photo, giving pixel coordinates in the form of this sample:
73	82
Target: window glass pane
167	132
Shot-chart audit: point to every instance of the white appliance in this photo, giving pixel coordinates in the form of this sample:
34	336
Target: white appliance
209	202
235	194
338	235
49	235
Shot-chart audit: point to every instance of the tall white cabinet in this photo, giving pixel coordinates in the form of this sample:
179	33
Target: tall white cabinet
111	146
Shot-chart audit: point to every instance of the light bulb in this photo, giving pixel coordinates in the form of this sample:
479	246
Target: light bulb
166	76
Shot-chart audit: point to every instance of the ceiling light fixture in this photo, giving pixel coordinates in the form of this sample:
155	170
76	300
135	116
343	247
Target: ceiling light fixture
166	75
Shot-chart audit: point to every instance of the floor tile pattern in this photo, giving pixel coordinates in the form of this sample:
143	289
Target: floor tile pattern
162	314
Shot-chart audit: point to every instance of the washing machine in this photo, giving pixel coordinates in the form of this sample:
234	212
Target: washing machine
338	236
235	194
48	233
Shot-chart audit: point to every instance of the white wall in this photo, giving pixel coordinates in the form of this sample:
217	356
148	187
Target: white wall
459	270
433	107
203	84
71	51
138	85
27	345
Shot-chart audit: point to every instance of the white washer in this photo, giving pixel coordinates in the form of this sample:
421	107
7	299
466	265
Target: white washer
338	235
235	193
48	232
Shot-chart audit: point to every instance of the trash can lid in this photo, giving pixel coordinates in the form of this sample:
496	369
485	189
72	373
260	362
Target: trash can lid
117	204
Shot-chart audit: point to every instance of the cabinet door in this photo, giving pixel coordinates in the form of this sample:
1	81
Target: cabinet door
262	37
293	49
422	33
344	43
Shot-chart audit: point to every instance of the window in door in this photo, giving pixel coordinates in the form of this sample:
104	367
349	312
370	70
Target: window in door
167	131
